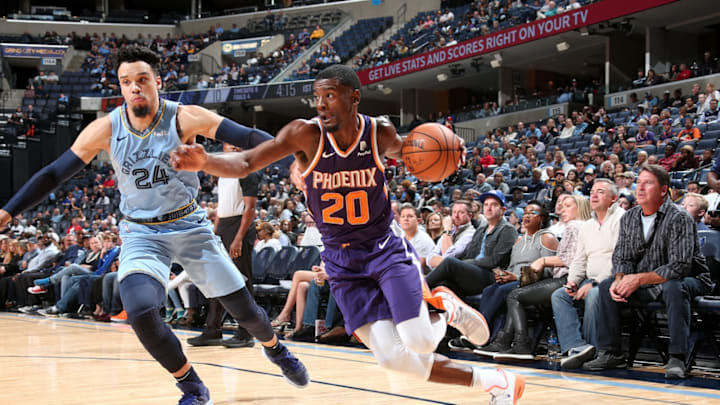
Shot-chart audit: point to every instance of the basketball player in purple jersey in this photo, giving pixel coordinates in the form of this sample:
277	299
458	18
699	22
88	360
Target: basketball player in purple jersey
373	273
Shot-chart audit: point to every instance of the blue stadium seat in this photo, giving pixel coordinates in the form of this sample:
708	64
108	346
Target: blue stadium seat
260	262
711	134
706	144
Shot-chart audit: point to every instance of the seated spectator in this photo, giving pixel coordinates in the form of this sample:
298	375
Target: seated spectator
690	132
710	115
666	134
87	265
514	341
568	129
418	238
669	160
266	238
683	72
644	136
663	262
534	243
296	301
72	295
317	33
333	317
434	227
590	265
471	272
458	232
52	78
696	206
499	184
686	160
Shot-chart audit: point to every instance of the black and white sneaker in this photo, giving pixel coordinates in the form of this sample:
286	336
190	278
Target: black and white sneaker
461	344
51	311
577	356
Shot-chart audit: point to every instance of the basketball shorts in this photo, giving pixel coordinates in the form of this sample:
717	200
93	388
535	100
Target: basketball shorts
189	242
376	279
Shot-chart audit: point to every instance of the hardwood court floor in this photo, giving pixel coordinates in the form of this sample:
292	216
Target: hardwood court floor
63	361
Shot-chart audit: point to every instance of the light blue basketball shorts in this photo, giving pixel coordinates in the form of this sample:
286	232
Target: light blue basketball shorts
189	242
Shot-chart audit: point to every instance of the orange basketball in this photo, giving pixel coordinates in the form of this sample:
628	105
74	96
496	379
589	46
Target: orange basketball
431	152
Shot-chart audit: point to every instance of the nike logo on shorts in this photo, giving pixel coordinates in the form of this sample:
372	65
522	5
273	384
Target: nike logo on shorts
382	245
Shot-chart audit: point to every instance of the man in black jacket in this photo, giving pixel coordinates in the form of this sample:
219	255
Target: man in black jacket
490	247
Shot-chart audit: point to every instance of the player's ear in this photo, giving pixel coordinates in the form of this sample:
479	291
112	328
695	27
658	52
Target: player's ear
356	96
158	80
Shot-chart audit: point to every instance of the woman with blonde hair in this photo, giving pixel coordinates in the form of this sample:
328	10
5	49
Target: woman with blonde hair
434	226
266	237
514	341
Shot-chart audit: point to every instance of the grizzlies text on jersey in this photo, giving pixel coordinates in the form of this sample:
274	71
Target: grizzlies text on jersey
148	184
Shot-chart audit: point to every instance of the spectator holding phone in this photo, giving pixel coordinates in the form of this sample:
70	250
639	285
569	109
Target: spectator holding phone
536	242
592	264
514	341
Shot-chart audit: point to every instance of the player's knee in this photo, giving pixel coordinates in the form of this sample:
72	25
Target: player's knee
420	343
394	359
140	294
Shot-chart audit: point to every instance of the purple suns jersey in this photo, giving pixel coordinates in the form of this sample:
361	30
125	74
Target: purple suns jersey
346	192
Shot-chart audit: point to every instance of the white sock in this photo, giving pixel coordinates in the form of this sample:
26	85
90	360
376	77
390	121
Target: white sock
488	379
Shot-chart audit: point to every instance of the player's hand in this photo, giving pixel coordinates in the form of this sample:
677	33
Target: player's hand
296	176
236	248
190	158
463	155
5	219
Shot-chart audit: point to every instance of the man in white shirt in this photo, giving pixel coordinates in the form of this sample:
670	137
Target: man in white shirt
458	234
591	264
419	239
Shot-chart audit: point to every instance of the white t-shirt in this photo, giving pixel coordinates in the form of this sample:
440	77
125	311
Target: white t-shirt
423	243
647	222
312	237
272	242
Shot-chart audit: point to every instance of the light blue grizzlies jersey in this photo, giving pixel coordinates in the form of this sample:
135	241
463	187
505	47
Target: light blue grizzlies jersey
148	184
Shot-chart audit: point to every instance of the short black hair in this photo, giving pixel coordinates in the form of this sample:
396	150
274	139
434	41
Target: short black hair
343	74
134	53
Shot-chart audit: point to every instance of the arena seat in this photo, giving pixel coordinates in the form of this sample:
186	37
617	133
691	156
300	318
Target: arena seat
260	262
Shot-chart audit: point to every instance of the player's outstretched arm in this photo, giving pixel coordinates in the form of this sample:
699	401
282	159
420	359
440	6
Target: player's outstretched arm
389	141
94	138
195	120
295	137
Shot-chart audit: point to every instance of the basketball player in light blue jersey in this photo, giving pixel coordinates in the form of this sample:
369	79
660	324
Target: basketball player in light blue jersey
163	222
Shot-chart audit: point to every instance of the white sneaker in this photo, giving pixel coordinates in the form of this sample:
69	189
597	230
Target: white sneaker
464	318
510	393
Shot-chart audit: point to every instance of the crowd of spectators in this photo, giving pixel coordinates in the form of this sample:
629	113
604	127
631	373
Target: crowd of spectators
682	71
447	27
173	53
261	68
521	181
